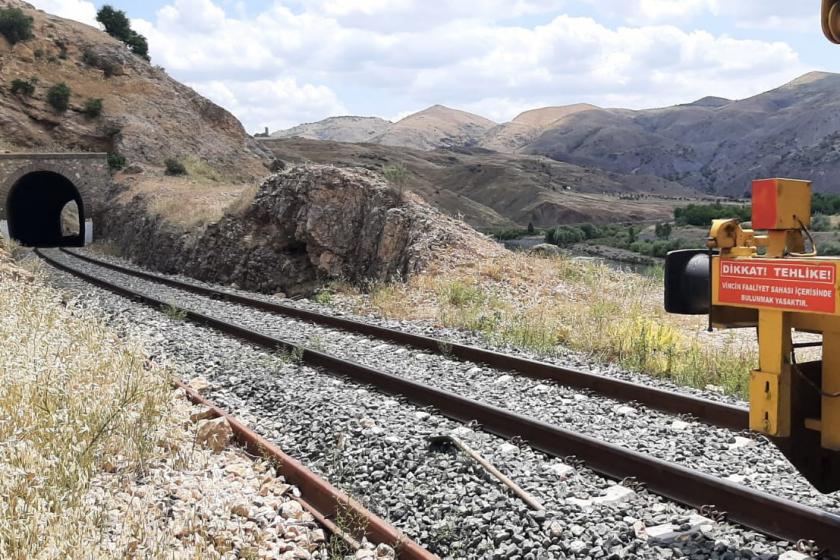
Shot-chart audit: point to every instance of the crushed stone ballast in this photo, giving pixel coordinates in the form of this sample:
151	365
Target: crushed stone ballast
743	504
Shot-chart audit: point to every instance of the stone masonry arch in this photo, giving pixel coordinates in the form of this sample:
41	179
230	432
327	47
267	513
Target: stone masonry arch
40	184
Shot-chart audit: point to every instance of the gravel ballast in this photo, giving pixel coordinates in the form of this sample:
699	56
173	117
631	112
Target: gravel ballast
375	447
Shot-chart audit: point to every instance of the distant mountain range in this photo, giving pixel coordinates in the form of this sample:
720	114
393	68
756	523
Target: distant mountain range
714	145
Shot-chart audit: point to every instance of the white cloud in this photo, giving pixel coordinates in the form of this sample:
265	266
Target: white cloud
747	14
308	59
79	10
277	104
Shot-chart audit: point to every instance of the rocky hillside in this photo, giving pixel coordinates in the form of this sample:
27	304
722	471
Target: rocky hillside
146	115
339	129
527	127
713	144
435	127
495	190
302	227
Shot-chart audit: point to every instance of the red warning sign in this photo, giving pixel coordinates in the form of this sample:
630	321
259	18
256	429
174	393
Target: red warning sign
778	284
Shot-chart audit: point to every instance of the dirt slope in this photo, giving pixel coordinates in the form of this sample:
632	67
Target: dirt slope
147	116
338	129
493	190
714	144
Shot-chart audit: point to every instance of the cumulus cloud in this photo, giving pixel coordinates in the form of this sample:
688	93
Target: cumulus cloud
762	14
79	10
302	60
282	103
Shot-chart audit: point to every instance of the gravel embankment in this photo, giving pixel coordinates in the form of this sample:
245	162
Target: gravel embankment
374	446
742	457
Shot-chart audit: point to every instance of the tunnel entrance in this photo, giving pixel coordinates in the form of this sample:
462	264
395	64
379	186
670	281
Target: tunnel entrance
45	209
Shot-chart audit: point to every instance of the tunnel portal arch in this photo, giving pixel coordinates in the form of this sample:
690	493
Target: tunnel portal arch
34	208
39	190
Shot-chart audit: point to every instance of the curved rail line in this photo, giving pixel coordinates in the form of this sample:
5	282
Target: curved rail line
710	412
763	512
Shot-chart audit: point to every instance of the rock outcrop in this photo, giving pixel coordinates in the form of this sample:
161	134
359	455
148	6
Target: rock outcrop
303	227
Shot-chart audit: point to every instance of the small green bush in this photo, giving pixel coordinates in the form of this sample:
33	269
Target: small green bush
93	108
59	97
115	161
117	25
174	167
15	26
24	87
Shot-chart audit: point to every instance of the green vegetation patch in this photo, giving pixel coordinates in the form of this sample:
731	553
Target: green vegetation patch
59	97
116	25
25	88
15	25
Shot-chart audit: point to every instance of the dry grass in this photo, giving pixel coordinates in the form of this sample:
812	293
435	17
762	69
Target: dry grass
188	202
74	401
540	304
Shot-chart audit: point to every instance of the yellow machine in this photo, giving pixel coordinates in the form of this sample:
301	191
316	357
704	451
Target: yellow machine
764	278
767	280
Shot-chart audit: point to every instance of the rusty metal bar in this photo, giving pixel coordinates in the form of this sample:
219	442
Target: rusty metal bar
320	497
766	513
532	502
711	412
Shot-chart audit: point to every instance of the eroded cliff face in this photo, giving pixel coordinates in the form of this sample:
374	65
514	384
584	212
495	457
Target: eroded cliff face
303	227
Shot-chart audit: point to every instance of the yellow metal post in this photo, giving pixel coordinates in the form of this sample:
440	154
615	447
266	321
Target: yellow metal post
770	384
830	424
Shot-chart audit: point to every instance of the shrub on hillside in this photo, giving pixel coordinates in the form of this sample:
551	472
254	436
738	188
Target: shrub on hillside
59	97
93	108
115	161
116	25
174	167
15	26
24	87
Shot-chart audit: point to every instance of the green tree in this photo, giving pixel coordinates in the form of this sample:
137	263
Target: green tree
632	234
531	228
59	97
15	25
117	25
663	231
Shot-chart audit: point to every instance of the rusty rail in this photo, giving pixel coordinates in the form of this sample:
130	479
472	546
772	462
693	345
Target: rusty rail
710	412
318	496
763	512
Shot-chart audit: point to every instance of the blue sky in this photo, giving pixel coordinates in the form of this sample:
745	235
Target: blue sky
277	63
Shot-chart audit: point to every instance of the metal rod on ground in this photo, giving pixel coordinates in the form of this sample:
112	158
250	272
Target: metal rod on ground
532	502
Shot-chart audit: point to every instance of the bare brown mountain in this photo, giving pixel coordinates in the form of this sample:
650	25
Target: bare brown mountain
713	144
431	128
495	190
339	129
435	127
146	115
527	127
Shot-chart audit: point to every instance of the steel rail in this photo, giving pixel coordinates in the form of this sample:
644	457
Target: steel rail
711	412
763	512
318	496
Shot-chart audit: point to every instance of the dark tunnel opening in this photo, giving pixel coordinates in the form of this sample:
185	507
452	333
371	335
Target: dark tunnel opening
34	211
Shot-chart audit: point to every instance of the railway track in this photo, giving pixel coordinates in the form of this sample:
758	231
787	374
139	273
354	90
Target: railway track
766	513
710	412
